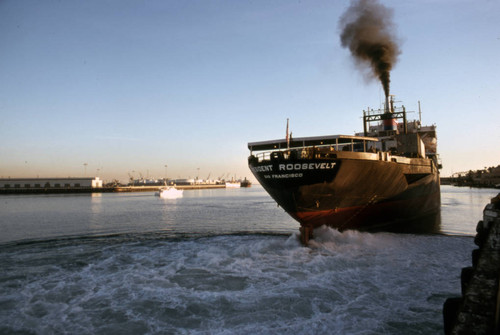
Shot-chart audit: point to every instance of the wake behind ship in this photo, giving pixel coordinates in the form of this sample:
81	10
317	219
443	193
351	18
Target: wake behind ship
386	176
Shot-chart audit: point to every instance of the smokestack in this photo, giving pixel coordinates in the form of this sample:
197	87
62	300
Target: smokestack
368	32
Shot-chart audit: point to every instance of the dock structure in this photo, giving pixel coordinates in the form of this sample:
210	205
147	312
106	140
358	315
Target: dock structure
52	185
65	187
155	188
477	311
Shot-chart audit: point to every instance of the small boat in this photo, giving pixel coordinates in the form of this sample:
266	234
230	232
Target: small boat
169	192
233	184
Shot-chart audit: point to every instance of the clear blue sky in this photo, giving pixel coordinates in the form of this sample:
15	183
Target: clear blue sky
136	85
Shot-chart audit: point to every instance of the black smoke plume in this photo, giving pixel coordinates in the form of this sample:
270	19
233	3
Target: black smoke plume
368	32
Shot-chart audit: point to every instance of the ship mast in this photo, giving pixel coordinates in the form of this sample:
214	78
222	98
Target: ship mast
287	136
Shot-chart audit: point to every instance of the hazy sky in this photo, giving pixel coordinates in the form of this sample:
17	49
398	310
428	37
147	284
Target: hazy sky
136	85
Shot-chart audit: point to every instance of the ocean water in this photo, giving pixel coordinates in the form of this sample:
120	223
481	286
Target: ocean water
223	261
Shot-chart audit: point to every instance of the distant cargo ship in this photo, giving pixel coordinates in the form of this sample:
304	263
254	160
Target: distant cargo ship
246	183
382	177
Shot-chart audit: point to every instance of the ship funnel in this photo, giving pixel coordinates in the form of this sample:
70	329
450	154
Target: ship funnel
388	118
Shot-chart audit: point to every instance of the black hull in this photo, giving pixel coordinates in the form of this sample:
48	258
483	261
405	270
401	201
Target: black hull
361	191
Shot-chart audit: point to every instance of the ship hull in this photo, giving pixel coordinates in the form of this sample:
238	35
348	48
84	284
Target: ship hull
361	192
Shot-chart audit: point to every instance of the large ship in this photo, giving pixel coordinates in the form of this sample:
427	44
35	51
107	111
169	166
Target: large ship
384	177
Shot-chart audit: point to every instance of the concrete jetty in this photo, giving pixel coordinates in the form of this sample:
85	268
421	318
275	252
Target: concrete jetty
96	185
73	189
477	311
155	188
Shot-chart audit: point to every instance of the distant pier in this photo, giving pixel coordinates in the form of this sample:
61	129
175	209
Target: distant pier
96	185
155	188
121	189
477	311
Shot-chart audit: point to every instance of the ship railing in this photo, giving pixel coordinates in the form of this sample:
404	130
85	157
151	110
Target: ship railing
319	151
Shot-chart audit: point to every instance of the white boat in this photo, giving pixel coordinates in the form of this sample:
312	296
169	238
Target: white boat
233	184
169	192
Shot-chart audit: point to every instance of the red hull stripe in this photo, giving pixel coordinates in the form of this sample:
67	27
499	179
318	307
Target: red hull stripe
364	217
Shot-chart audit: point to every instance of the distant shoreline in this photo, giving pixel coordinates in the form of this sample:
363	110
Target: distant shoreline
466	183
115	189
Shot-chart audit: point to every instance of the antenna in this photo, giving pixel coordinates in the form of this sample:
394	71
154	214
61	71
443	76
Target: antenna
419	113
287	136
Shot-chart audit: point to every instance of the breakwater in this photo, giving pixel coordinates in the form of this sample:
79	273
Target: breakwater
155	188
58	190
477	310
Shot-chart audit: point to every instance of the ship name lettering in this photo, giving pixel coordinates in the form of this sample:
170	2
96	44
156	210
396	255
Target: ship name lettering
263	168
305	166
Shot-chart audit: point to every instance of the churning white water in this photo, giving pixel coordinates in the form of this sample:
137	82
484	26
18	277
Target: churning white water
349	283
180	273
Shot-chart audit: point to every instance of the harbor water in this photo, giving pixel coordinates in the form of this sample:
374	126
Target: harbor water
223	261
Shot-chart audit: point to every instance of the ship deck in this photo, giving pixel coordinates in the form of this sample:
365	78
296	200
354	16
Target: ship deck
315	141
